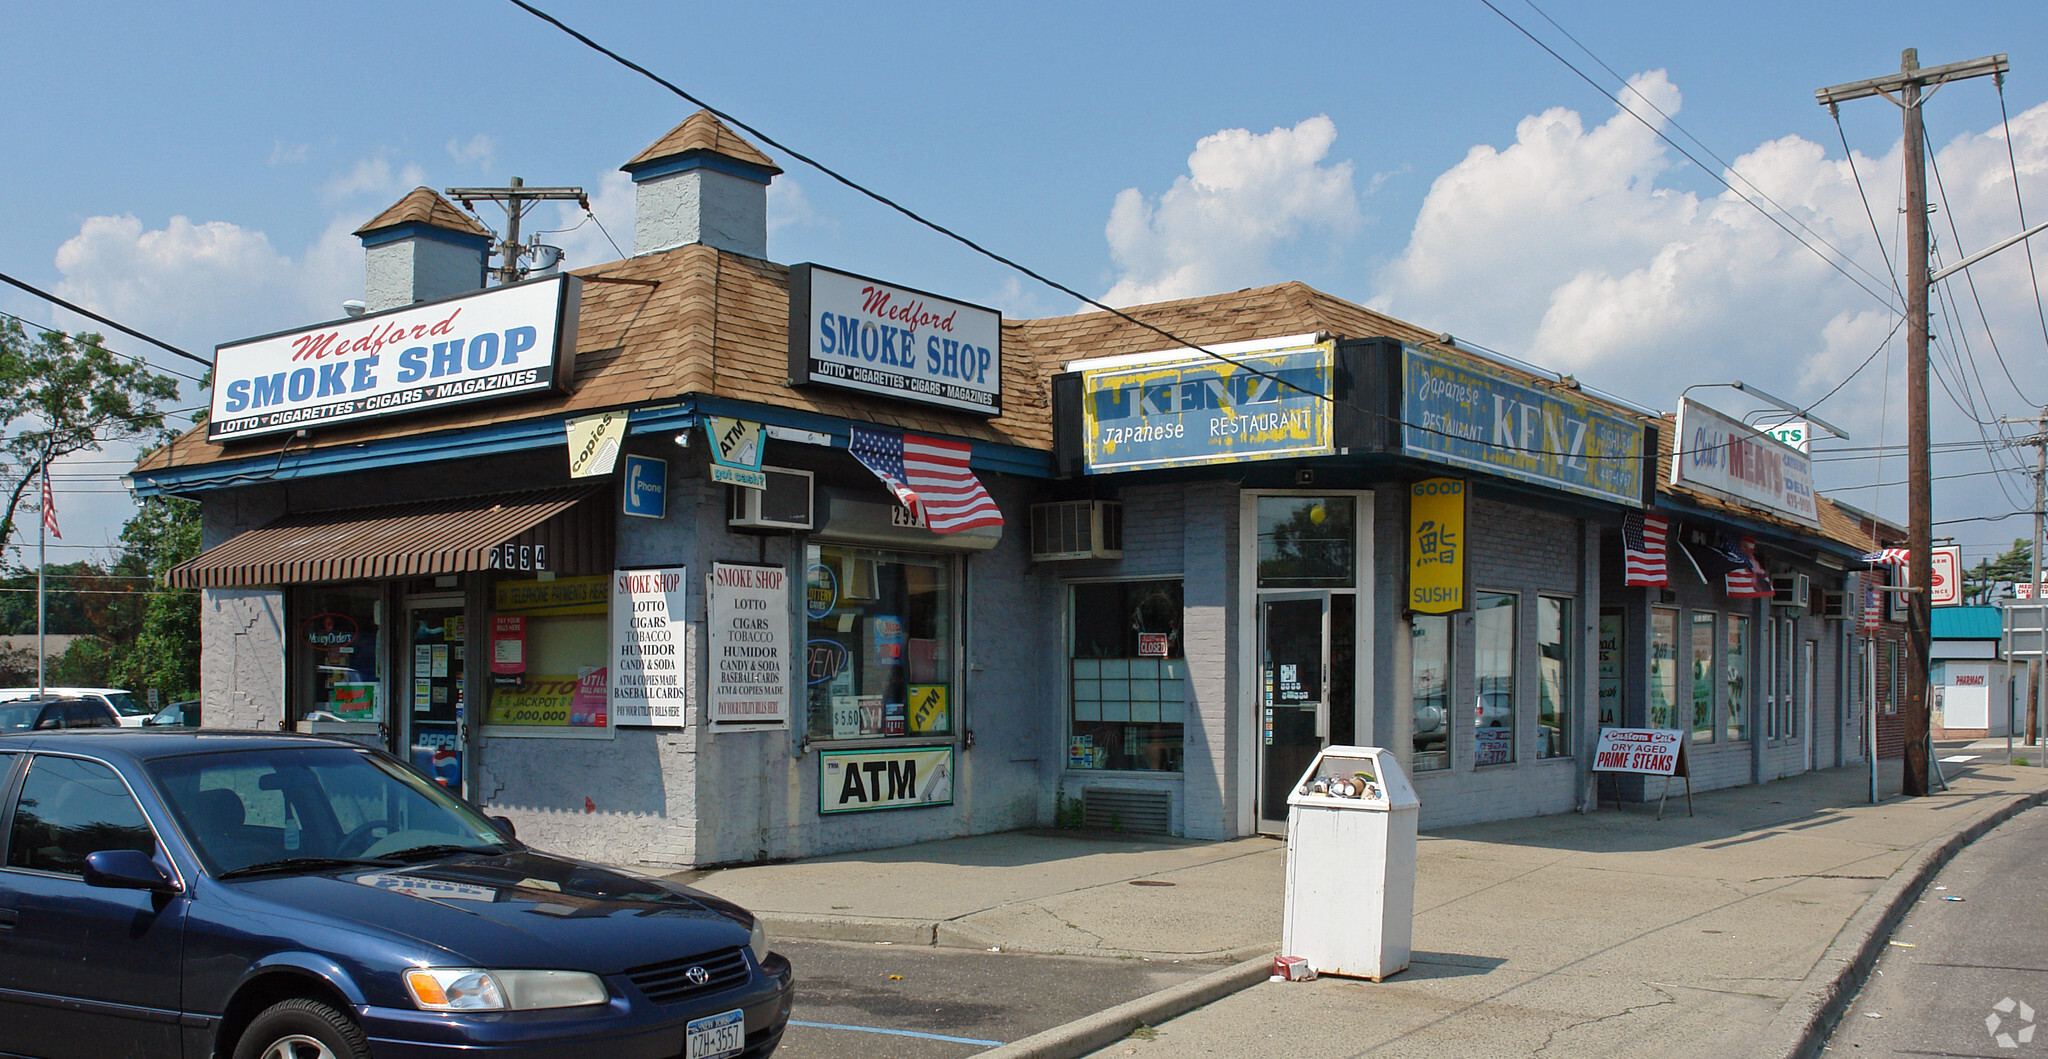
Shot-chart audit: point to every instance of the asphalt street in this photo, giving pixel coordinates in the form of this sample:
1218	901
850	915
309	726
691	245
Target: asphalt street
1966	973
878	1001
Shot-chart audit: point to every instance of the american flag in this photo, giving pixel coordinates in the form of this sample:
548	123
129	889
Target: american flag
1642	542
1888	557
49	506
930	476
1873	611
1753	582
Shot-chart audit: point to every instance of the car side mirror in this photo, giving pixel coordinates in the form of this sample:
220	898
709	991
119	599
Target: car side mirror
505	826
125	869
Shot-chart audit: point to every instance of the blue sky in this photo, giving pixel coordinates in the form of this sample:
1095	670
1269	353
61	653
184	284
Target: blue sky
195	169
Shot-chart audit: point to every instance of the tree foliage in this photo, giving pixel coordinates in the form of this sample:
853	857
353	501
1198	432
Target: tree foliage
61	394
2015	566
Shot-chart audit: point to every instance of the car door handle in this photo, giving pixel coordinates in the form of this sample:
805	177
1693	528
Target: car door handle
7	917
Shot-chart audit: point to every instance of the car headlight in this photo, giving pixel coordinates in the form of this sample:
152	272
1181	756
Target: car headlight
472	989
757	941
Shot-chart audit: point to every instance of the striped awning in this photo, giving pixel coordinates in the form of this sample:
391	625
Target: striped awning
565	531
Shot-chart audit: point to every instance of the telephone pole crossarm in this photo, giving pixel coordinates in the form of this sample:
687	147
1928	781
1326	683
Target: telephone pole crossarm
1923	77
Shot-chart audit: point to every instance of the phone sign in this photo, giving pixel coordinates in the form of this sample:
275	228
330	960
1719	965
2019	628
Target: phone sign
646	487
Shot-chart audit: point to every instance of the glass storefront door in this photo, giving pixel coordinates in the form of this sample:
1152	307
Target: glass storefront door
336	663
430	687
1294	695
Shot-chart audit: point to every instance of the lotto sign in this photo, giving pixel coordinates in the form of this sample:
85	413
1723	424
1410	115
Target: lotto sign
1649	751
851	781
749	645
652	679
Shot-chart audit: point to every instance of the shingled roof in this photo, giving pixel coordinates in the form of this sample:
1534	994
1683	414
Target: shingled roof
425	206
701	132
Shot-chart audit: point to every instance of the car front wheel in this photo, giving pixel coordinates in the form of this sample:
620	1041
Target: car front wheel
302	1029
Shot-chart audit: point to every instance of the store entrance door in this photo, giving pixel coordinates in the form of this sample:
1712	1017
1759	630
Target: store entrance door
430	688
1294	695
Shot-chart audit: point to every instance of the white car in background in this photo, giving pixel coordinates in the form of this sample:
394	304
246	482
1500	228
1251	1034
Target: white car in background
131	712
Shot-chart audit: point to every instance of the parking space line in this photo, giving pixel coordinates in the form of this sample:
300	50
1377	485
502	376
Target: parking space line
897	1033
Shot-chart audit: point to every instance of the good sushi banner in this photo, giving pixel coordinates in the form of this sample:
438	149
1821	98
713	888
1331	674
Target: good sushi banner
491	344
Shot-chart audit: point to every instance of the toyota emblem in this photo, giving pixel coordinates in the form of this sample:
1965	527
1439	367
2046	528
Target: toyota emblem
698	975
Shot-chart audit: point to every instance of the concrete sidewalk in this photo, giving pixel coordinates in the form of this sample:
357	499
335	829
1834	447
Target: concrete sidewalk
1733	932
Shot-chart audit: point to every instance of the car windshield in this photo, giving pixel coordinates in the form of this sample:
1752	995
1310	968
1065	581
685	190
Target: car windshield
19	716
125	704
300	807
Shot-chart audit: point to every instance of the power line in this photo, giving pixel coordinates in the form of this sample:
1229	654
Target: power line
90	315
46	329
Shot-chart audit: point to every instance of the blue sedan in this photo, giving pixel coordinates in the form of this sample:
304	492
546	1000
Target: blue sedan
268	896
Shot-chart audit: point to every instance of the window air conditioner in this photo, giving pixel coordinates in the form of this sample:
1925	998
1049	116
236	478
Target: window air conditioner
1077	529
1789	590
1834	604
785	505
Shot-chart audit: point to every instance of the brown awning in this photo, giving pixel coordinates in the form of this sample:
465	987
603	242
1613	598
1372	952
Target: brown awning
567	531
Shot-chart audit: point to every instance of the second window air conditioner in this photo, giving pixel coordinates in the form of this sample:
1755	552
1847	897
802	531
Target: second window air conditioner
784	506
1789	590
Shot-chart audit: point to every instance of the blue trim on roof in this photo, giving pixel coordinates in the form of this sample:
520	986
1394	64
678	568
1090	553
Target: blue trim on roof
419	230
699	158
1967	623
1803	536
525	435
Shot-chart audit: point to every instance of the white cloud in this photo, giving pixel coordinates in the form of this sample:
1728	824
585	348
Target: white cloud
480	151
372	177
1245	197
788	207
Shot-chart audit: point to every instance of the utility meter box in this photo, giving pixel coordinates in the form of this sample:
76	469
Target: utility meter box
1351	864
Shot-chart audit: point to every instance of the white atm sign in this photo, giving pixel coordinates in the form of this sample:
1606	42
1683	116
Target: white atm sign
851	781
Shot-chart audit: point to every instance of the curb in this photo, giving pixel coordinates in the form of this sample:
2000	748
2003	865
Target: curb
1084	1035
805	927
1801	1029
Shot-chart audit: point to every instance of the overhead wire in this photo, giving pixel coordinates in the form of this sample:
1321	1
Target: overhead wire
89	314
130	357
2012	162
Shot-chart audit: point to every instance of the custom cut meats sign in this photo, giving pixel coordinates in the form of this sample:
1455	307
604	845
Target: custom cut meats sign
1649	751
495	343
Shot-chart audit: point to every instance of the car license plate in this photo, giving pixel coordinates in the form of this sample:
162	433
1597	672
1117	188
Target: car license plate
716	1036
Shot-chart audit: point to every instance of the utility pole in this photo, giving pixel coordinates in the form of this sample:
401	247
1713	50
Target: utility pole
517	199
1908	84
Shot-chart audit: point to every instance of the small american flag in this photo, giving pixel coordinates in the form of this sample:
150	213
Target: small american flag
49	506
1873	611
929	476
1888	557
1642	542
1753	582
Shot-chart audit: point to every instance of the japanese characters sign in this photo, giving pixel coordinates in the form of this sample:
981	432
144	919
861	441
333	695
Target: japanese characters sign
1436	546
1198	409
862	334
652	679
496	343
886	778
750	645
1459	413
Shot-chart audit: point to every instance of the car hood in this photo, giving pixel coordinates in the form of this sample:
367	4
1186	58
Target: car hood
524	909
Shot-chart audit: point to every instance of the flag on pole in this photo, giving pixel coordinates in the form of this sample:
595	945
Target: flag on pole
1888	557
1753	582
930	476
1642	542
49	506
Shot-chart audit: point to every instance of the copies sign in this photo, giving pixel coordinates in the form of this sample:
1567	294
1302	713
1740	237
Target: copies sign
851	781
496	343
1650	751
1720	455
750	645
1199	409
863	334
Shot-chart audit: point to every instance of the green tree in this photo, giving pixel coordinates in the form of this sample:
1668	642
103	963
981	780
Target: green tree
61	394
164	653
2015	566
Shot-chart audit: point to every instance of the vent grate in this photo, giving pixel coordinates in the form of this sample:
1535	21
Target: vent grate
1131	811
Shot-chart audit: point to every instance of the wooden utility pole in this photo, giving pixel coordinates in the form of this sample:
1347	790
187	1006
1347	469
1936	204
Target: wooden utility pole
1905	89
516	199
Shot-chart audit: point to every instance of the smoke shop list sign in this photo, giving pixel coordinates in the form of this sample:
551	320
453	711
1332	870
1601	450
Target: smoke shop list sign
651	679
750	646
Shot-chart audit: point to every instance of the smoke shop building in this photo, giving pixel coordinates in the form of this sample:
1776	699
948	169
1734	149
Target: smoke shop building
694	558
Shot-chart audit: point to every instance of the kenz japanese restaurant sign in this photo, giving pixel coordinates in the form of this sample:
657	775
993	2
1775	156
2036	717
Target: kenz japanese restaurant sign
495	343
1718	454
750	646
652	681
1197	409
862	334
1649	751
1459	413
851	781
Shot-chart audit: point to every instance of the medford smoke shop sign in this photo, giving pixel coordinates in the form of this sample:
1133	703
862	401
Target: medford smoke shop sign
863	334
482	346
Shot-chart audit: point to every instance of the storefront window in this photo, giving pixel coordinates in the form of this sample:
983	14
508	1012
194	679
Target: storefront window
1663	666
1553	677
1429	677
879	644
334	654
1493	642
1127	676
1306	542
1703	636
550	642
1736	658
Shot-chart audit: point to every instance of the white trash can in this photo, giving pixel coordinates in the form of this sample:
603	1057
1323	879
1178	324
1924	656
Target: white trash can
1351	864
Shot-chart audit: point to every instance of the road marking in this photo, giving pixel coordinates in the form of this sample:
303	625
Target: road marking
897	1033
1958	757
